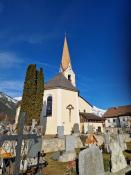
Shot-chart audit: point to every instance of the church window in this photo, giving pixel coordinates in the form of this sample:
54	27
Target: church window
49	106
69	77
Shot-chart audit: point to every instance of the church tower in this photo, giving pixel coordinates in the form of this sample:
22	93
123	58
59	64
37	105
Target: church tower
66	67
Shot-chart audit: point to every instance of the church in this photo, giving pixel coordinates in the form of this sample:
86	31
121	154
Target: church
63	107
62	103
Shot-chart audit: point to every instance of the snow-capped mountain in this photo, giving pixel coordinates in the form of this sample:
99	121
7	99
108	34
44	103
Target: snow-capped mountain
97	111
18	98
7	106
7	97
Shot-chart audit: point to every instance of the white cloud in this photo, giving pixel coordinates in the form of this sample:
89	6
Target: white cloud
8	60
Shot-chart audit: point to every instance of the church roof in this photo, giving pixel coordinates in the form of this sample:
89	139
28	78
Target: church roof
65	62
59	81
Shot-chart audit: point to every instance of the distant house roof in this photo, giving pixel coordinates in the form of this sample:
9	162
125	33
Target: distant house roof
86	117
118	111
59	81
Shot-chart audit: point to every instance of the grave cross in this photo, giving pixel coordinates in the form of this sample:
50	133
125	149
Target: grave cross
70	107
19	139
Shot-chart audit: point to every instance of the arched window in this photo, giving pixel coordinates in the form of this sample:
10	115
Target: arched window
49	106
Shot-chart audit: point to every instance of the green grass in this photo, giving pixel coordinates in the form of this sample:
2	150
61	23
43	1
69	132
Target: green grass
55	167
106	160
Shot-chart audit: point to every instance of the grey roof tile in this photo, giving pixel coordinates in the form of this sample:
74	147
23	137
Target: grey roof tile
59	81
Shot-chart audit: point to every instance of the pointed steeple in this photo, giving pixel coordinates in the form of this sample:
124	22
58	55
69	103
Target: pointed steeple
65	62
65	67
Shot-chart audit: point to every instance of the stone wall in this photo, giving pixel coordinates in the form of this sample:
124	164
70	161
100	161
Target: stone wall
100	138
53	144
56	144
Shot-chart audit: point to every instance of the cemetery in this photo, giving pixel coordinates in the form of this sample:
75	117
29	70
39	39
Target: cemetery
43	141
56	132
72	154
103	159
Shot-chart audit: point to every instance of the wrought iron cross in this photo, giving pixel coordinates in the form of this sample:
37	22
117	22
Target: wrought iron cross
19	139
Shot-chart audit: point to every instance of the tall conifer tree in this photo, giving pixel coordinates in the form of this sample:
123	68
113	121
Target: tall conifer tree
39	93
32	98
29	93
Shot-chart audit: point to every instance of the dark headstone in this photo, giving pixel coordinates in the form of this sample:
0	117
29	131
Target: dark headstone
76	128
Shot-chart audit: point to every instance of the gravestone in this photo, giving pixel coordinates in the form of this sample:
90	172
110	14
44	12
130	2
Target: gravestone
69	154
76	128
34	146
60	131
121	141
76	131
118	161
70	143
91	161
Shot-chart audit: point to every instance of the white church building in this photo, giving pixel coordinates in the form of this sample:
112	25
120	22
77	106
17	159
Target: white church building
62	104
61	101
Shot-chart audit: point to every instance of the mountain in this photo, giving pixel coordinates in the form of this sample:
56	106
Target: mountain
97	111
3	95
7	107
17	98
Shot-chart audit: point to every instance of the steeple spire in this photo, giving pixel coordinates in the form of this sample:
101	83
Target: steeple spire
65	62
65	66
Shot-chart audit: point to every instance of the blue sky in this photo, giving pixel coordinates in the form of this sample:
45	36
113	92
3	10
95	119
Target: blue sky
32	31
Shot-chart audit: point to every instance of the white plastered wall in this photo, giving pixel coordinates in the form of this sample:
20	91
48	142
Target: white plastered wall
69	98
61	98
69	71
83	105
